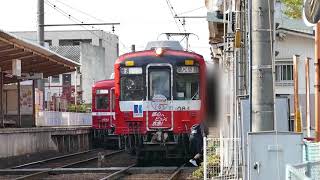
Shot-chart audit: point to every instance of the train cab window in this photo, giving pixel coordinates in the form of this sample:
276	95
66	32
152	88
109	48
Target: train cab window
187	87
159	84
102	101
132	88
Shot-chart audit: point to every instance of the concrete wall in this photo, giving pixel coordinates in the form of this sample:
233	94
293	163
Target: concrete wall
92	69
17	142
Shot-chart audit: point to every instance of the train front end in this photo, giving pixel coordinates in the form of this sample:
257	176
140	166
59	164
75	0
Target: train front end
159	98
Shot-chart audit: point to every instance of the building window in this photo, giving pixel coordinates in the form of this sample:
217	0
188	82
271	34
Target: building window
284	73
49	42
55	79
291	122
46	80
73	42
66	79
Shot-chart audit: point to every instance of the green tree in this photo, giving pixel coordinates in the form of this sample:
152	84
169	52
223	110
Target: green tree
293	8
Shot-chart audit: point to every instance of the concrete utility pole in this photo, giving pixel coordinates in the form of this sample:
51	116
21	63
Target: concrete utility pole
133	48
40	33
317	82
262	56
40	15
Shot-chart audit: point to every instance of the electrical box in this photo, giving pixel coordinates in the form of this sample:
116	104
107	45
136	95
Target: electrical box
282	114
16	67
270	152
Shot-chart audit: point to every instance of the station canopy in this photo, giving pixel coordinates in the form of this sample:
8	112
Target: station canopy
34	58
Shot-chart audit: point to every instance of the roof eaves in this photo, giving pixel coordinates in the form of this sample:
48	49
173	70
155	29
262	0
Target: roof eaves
37	48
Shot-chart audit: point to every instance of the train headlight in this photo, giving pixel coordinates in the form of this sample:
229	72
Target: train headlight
159	51
129	63
188	62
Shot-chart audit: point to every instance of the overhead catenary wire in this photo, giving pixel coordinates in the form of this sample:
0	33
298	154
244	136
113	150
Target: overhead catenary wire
76	20
80	11
192	10
174	15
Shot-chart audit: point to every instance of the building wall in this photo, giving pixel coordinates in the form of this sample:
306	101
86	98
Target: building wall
295	45
92	68
99	38
103	48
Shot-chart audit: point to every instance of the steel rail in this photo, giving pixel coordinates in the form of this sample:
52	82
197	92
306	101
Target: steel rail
118	173
51	159
39	175
176	173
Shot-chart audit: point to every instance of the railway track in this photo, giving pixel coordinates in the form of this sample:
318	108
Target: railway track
132	172
52	162
83	165
66	161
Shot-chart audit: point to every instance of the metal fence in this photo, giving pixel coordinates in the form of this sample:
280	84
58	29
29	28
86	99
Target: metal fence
310	169
222	160
311	151
304	171
55	118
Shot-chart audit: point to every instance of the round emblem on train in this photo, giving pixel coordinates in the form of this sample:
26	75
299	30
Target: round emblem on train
159	102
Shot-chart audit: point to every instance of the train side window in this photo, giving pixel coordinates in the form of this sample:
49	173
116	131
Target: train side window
187	87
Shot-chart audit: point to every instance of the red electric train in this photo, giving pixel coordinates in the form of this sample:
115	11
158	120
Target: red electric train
103	114
159	95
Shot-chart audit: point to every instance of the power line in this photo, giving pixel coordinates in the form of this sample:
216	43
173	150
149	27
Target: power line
80	11
72	18
192	10
87	14
91	16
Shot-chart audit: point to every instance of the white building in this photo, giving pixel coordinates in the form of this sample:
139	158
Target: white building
293	37
95	50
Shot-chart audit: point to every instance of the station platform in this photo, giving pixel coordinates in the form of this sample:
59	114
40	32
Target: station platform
23	141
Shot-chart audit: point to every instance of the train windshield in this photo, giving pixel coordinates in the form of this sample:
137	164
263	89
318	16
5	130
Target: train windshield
187	87
102	101
132	88
159	83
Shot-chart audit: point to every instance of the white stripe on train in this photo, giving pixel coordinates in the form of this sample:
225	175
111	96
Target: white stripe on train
175	105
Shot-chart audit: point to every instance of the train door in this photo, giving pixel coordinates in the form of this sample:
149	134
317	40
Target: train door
112	105
159	96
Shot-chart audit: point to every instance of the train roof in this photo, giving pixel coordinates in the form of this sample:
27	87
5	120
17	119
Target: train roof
167	52
174	45
108	83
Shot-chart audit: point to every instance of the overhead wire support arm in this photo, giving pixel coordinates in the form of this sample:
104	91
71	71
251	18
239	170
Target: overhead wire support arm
82	24
185	35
